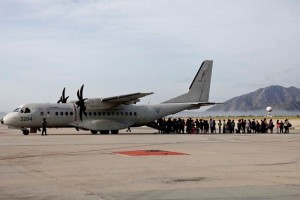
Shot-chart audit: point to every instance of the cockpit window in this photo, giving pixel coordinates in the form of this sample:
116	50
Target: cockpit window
17	110
25	110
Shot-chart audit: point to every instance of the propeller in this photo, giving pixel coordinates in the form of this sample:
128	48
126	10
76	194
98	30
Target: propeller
63	98
80	103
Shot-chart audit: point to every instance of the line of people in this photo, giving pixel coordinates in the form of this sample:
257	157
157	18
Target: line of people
203	126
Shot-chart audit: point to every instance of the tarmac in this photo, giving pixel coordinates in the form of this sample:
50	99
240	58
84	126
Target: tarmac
68	164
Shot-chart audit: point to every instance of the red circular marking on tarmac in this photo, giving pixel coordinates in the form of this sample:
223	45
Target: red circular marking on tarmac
150	153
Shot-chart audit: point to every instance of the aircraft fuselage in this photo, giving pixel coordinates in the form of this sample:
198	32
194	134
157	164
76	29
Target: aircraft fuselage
67	115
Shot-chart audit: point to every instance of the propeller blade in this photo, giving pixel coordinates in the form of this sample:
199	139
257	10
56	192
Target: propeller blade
80	103
81	91
63	98
78	95
64	92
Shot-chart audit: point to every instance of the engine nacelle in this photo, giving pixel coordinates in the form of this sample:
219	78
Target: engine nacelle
97	103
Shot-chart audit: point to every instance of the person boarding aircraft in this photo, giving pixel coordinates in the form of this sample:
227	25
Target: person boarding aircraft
109	114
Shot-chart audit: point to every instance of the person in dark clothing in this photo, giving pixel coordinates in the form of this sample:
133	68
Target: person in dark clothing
197	123
281	126
206	126
258	127
244	126
239	126
44	125
254	126
263	126
182	125
232	126
169	126
287	126
201	125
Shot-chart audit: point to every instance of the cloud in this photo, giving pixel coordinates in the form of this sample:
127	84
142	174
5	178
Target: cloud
288	70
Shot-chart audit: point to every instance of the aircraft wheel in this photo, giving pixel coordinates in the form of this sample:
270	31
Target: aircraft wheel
104	132
26	132
114	131
94	132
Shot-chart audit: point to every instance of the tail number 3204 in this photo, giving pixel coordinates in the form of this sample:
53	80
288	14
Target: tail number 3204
26	119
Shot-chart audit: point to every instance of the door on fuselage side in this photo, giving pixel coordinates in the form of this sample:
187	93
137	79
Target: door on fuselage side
140	119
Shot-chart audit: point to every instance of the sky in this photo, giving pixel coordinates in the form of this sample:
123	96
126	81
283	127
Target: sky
116	47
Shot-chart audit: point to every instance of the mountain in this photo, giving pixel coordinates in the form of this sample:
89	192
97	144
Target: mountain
278	97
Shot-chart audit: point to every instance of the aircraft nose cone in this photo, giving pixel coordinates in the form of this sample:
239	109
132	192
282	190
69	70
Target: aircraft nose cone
2	121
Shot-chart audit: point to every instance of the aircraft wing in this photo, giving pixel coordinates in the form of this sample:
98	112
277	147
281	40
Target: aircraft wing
126	99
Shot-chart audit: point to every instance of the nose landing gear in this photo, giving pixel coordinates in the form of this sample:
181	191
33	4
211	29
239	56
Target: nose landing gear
25	132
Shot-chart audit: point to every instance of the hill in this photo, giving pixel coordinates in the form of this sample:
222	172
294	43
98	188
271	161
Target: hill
278	97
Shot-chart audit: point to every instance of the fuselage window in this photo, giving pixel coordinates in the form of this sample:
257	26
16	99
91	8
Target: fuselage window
71	113
104	113
56	113
99	113
48	113
66	113
113	113
90	113
42	113
108	113
117	113
95	114
126	113
122	113
134	113
61	113
130	113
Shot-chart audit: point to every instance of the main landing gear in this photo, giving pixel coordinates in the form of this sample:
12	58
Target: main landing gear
94	132
105	132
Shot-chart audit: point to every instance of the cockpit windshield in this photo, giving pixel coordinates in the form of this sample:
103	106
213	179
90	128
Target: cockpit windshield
25	110
17	110
22	110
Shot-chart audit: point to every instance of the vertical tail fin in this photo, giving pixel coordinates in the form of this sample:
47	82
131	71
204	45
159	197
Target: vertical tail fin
200	87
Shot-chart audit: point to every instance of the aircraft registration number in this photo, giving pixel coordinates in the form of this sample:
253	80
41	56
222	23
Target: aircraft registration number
26	119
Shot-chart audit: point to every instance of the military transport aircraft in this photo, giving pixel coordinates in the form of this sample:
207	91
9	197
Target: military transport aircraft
109	114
